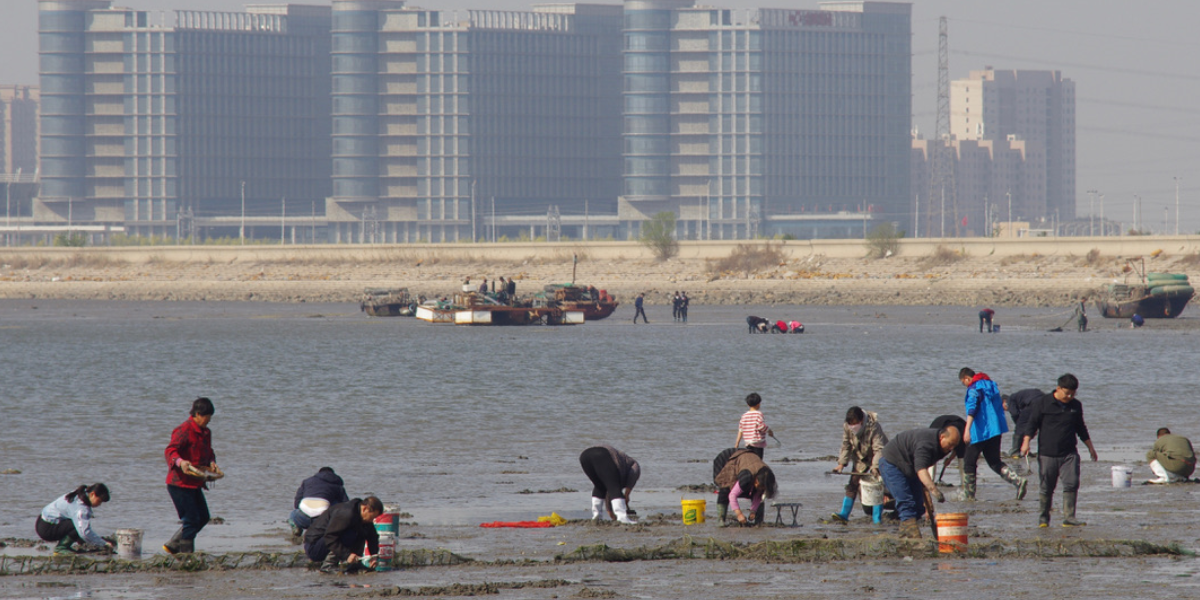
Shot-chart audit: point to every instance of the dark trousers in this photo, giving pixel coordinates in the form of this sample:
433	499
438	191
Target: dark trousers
640	313
757	450
909	492
52	532
599	467
192	509
1053	469
985	320
990	449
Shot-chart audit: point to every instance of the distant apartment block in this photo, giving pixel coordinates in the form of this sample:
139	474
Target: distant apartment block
18	129
160	127
1037	107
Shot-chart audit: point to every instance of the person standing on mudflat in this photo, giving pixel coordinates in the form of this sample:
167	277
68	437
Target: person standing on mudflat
862	444
641	312
189	456
985	427
1018	406
1057	420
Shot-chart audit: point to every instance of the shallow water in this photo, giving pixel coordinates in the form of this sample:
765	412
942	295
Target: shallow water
453	422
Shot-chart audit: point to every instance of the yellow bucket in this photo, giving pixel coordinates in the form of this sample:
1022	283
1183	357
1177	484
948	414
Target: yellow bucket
693	511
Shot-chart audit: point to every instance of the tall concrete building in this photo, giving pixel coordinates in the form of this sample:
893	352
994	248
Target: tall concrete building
1031	106
160	127
450	127
758	123
18	129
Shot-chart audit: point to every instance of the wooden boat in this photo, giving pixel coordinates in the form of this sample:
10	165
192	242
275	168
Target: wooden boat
1155	296
382	302
595	304
473	308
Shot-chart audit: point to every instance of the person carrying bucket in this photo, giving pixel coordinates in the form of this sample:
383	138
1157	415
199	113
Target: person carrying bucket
613	475
984	430
905	467
337	537
68	520
191	465
1057	420
314	496
1172	458
740	473
863	440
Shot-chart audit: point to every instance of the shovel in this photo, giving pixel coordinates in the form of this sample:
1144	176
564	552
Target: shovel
932	513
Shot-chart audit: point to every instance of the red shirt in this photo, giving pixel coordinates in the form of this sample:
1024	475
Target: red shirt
192	443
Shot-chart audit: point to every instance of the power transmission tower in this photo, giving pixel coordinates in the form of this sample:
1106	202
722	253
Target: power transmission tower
553	224
941	180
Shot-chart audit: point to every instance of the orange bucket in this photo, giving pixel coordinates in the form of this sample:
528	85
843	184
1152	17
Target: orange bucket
952	532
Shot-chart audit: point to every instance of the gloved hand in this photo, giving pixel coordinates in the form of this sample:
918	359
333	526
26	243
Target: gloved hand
938	495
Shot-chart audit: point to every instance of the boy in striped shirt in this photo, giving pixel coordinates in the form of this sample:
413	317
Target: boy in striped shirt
752	429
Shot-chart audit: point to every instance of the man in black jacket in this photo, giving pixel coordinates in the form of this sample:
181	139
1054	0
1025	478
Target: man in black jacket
1057	419
325	485
1018	405
337	536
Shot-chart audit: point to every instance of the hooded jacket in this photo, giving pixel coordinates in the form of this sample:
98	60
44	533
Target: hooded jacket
984	404
326	485
865	448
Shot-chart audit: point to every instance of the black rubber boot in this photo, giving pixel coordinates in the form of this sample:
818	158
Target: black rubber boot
1043	510
172	545
187	546
1069	519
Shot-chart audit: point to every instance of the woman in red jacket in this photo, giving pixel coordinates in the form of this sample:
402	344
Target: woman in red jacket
192	464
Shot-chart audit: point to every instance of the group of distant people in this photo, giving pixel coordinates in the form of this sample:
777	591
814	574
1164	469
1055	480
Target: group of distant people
761	325
504	291
679	306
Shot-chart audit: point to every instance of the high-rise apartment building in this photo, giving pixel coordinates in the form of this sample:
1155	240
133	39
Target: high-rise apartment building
449	128
18	129
1031	106
741	123
162	127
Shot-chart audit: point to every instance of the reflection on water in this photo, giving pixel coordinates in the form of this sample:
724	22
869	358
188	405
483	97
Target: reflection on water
430	416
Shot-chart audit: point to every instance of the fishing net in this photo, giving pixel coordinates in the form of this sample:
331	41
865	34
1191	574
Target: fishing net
77	564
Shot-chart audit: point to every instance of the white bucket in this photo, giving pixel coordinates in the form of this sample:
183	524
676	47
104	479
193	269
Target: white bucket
1122	476
129	543
870	488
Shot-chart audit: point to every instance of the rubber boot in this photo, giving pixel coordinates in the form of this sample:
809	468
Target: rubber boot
618	505
722	513
909	529
172	545
760	513
1043	510
1019	482
843	516
597	508
1069	519
64	547
967	493
877	514
187	546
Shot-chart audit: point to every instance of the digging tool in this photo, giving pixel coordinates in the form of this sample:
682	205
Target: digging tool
931	512
778	444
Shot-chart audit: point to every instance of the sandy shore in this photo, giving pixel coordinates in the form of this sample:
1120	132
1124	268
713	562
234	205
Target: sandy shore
945	277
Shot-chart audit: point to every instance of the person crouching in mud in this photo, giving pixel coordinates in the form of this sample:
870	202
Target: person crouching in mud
742	474
905	463
336	538
613	475
68	520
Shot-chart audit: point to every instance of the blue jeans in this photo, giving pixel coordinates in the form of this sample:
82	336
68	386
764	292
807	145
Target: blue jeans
301	520
192	509
909	492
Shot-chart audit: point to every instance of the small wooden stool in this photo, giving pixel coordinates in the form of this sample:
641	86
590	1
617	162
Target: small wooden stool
779	506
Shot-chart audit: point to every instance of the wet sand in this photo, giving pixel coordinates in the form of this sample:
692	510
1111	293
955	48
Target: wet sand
515	563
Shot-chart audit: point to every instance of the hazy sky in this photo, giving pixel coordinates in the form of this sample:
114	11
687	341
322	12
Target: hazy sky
1137	80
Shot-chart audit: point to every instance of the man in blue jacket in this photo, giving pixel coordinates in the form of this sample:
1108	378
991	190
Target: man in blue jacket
325	485
985	426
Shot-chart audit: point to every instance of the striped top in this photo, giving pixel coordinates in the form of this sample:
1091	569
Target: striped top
753	428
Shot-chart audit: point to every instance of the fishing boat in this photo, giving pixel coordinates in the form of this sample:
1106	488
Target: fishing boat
383	302
595	304
474	308
1155	296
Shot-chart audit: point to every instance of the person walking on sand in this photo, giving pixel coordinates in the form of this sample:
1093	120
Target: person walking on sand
1172	458
752	428
613	475
985	428
189	458
905	468
862	443
1057	420
1081	315
985	317
68	520
638	305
